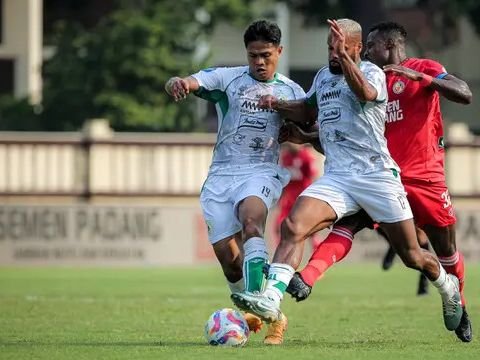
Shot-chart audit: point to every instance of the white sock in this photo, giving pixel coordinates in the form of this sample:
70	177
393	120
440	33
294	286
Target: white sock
237	287
256	256
446	287
279	277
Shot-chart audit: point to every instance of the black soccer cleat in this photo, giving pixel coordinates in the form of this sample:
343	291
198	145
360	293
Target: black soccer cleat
422	285
298	288
388	258
464	330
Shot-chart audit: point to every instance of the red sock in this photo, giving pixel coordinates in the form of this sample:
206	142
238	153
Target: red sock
333	249
454	265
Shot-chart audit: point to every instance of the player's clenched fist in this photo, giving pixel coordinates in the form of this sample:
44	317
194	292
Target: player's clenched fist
267	102
178	88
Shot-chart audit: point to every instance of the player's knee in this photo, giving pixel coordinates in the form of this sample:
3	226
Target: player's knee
293	231
412	259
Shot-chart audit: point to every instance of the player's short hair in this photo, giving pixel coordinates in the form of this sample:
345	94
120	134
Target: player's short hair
262	30
390	29
349	26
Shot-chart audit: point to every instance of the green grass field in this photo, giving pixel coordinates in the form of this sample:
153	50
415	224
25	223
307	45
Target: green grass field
356	312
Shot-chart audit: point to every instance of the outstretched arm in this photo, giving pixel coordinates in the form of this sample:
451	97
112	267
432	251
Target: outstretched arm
353	76
298	111
179	88
451	87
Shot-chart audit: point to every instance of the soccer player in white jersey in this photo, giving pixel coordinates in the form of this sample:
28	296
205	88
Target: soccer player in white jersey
244	180
350	96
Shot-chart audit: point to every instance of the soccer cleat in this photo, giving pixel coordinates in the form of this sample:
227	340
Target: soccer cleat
275	331
298	288
257	304
452	307
255	324
387	261
464	330
422	285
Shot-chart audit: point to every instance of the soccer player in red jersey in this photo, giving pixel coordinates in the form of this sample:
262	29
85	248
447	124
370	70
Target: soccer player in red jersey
414	133
300	162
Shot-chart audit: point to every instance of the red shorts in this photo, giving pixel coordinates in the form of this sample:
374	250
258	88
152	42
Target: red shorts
430	203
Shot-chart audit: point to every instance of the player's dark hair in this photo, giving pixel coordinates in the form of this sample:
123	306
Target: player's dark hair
262	30
390	29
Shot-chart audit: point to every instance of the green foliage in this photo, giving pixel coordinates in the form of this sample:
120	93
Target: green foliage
18	115
118	69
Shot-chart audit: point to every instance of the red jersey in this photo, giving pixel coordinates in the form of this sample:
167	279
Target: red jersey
301	166
414	128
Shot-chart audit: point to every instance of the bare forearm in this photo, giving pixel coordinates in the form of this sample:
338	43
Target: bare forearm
296	110
453	89
356	80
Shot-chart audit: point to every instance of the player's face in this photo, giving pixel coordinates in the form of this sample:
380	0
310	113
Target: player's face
352	48
263	59
376	51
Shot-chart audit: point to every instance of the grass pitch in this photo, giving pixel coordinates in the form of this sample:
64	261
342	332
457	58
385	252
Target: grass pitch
355	312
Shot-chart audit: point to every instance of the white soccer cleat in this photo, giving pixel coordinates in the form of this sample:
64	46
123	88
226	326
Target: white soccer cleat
452	307
258	304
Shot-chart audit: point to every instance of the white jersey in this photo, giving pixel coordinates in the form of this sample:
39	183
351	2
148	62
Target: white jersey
351	131
247	135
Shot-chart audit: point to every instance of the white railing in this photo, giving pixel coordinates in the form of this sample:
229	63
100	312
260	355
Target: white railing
132	164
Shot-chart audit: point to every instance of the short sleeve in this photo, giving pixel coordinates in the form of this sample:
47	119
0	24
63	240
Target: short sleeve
376	77
213	78
434	69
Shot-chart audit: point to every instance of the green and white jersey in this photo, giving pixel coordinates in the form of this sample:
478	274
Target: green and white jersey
351	131
247	135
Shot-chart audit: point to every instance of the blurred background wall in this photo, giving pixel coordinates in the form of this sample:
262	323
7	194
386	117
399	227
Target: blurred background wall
122	189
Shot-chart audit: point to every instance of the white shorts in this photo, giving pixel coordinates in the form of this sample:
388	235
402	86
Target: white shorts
221	195
380	194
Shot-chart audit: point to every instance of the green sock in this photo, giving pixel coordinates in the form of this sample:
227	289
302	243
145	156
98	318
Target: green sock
256	256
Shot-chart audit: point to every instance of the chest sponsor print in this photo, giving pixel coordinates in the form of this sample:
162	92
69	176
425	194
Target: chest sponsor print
330	115
253	122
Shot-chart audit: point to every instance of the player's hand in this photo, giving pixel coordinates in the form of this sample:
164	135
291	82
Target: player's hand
292	133
338	38
178	88
267	102
403	71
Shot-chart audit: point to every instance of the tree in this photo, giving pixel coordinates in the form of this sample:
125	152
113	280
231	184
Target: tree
118	68
442	15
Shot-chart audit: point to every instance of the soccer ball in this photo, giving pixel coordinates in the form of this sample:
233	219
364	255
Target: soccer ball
226	327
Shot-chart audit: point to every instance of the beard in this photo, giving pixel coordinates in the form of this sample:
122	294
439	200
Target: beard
335	68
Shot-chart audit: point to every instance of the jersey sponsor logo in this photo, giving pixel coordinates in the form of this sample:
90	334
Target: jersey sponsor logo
398	87
238	139
257	144
252	105
335	136
394	112
253	123
330	95
339	136
330	115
